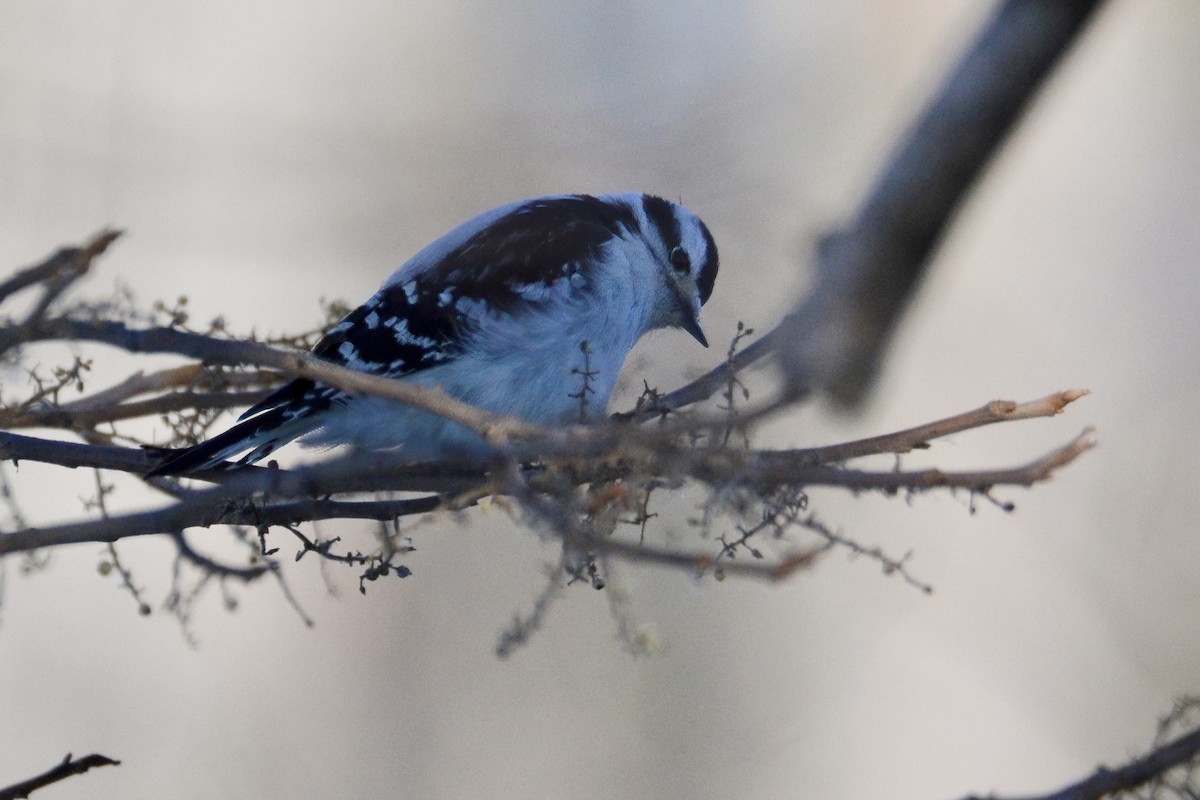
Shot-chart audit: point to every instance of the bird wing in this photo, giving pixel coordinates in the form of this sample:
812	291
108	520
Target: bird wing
427	312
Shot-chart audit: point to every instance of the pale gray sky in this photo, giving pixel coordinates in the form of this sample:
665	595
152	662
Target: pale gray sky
263	156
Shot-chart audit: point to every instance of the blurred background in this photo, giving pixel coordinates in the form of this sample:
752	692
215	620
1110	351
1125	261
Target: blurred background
263	155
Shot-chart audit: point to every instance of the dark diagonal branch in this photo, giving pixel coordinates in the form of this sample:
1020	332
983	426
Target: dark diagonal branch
1106	782
868	271
54	276
63	770
64	266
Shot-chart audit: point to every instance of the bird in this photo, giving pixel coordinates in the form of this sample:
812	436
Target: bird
510	312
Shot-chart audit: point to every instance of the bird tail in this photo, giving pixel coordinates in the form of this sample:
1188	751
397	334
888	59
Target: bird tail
261	435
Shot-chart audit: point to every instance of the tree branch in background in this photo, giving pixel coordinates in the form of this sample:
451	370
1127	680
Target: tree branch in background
63	770
1154	771
834	340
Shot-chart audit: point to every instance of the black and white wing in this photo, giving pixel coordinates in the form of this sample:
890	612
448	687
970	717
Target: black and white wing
426	314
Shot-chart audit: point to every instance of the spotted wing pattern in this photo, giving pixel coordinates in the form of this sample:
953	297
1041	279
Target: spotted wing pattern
419	320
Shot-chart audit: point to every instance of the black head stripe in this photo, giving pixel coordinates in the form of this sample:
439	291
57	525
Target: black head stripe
664	217
661	214
706	274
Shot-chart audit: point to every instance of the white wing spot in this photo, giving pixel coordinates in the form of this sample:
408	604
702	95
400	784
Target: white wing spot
533	291
371	320
471	308
406	337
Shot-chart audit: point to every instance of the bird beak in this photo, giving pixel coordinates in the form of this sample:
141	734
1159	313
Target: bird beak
692	326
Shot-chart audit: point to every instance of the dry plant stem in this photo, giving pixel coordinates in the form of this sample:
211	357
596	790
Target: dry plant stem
496	429
1108	782
777	570
137	384
762	466
907	440
65	417
769	469
187	376
64	769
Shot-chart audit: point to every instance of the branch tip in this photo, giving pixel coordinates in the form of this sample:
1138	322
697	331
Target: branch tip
100	242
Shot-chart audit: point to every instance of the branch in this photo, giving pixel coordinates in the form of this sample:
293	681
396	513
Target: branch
919	437
497	429
765	470
866	272
576	534
63	770
65	417
768	470
1105	782
109	405
232	504
17	448
55	275
66	264
834	340
227	504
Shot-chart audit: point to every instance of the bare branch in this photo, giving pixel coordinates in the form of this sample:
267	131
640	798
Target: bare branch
834	340
497	429
919	437
64	265
17	448
764	470
55	276
63	770
65	417
575	534
1105	782
231	504
867	272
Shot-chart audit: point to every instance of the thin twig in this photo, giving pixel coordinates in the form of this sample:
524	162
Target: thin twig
918	437
61	771
497	429
65	417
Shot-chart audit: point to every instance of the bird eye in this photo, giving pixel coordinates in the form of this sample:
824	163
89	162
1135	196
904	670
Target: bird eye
680	260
